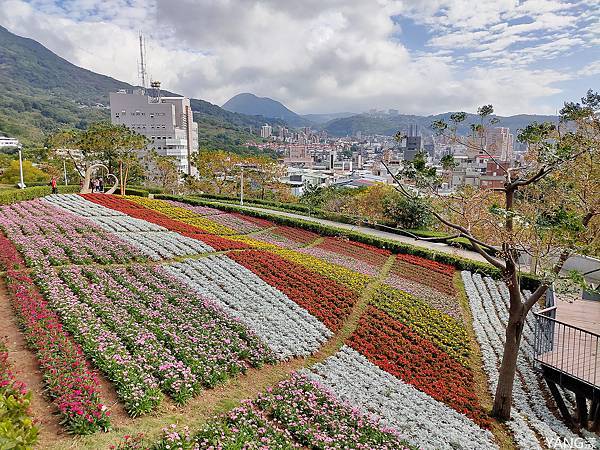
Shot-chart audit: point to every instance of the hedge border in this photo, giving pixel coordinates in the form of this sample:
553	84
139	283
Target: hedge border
17	195
527	281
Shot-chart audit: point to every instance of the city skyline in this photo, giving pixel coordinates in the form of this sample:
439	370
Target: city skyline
523	57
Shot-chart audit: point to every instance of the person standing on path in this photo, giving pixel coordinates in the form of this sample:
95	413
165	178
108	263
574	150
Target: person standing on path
53	184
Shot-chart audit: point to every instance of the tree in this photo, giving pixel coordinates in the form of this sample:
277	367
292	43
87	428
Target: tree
217	168
31	174
548	208
448	162
165	173
266	173
113	145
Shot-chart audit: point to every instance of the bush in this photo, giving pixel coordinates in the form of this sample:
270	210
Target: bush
17	430
527	281
16	195
136	192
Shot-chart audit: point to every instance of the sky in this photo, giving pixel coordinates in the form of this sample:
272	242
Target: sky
323	56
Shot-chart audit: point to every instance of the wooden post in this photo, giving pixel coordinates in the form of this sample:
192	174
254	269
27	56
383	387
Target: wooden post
560	402
582	411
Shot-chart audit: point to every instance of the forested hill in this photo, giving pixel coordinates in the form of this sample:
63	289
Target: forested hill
42	92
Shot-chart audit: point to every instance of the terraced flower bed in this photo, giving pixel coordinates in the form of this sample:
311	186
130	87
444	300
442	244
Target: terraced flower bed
169	300
288	237
297	413
328	301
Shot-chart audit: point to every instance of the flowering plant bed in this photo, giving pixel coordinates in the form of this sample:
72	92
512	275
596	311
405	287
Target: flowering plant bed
71	385
16	426
134	210
442	330
328	301
48	235
288	237
398	350
424	421
352	280
288	329
151	239
297	413
429	273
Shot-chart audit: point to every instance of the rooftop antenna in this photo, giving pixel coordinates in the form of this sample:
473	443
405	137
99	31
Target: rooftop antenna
142	69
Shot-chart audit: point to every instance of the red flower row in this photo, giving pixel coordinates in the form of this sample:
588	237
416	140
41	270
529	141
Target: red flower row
71	384
328	301
399	351
373	256
439	267
255	220
141	212
426	276
296	234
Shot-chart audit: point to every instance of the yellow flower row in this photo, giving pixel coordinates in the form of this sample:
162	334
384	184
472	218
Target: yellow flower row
183	215
440	328
353	280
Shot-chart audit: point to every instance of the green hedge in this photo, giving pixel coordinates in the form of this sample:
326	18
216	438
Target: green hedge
137	192
16	195
527	281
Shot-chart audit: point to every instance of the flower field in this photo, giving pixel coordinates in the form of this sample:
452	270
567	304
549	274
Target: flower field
165	301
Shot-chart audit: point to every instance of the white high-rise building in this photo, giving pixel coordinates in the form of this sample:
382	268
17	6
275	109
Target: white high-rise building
167	122
266	130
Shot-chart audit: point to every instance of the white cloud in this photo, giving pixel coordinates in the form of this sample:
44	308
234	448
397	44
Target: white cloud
316	55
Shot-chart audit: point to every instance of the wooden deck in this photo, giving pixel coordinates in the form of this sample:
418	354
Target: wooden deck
576	351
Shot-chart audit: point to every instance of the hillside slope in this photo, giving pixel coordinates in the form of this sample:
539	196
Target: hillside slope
42	92
390	125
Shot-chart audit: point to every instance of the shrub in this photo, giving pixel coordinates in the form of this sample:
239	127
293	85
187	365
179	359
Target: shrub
17	430
16	195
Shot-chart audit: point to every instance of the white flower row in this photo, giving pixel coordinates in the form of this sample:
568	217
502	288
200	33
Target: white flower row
79	205
288	329
531	416
422	420
153	240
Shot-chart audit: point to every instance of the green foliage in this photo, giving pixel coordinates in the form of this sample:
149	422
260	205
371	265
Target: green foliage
31	174
16	195
411	213
448	162
17	431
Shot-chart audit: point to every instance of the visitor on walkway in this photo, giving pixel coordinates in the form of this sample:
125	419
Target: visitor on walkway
53	184
101	185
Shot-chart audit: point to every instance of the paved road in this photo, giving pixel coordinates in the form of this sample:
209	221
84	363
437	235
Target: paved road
436	246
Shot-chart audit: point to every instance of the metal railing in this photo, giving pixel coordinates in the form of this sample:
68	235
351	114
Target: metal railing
569	349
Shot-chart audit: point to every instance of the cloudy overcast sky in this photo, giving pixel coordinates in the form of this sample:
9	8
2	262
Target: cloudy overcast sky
418	56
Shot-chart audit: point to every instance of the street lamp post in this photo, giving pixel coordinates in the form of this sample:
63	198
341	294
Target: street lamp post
242	167
22	183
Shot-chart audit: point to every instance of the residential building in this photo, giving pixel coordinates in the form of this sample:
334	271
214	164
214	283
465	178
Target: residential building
499	143
8	142
167	122
266	130
414	143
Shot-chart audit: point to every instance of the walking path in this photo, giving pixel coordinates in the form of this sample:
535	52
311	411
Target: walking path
435	246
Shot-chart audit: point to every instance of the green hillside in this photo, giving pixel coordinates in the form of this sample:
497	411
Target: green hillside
42	92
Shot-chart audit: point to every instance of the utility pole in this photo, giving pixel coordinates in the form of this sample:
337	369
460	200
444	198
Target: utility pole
22	183
242	187
65	171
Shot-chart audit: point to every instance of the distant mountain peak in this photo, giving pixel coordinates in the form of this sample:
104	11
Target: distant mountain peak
250	104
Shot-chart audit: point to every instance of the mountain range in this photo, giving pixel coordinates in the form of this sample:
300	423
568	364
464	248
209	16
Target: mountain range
42	92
